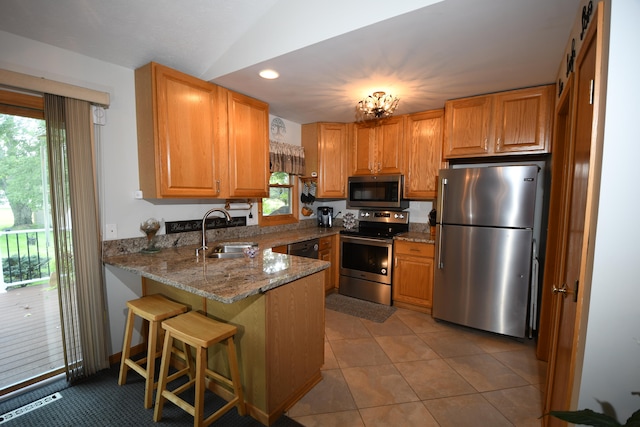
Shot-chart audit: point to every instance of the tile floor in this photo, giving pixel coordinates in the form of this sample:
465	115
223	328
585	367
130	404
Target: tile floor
414	371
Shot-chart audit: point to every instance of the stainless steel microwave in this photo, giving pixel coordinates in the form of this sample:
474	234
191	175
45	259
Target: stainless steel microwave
376	191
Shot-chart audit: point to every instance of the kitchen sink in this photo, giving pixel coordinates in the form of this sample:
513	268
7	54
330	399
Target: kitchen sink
230	249
225	255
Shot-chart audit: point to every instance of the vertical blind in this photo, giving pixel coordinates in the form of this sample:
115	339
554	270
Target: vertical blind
74	207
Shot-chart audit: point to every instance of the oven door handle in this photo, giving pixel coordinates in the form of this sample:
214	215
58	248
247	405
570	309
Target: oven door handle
371	240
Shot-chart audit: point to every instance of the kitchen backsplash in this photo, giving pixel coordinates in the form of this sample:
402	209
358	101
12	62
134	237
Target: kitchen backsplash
174	239
173	227
136	244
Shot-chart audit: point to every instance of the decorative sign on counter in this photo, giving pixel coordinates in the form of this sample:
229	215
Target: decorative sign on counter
196	224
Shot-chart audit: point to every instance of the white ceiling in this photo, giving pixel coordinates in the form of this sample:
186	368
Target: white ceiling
329	54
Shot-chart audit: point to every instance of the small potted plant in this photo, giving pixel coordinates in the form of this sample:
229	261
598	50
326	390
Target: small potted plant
591	418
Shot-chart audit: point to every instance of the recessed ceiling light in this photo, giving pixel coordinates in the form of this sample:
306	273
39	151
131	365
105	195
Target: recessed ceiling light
269	74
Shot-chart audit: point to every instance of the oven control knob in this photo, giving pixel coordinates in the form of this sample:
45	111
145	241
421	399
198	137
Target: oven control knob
364	214
396	216
383	271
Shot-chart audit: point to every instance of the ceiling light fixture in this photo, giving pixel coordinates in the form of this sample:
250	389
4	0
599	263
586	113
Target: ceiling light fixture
269	74
376	106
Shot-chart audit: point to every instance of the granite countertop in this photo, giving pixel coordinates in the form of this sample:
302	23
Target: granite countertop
272	240
416	236
223	280
230	280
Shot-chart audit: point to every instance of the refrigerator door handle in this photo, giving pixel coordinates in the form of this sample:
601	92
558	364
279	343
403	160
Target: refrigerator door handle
440	214
440	264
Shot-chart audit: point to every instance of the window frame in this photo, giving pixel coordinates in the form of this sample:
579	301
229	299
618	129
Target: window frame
21	104
293	217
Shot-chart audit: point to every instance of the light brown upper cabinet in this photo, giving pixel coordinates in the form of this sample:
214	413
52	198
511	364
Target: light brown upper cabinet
423	145
325	151
376	147
248	136
178	140
194	136
506	123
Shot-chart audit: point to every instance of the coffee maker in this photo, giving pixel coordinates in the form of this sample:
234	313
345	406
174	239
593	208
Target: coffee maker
325	216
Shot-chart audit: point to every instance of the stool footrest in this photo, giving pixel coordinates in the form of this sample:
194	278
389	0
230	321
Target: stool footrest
181	372
177	400
198	332
173	396
220	379
220	412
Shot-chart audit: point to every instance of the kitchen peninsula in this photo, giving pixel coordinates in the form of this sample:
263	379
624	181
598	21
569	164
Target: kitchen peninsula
275	300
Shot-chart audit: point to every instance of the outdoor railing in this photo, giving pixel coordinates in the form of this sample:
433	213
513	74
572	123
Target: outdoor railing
26	256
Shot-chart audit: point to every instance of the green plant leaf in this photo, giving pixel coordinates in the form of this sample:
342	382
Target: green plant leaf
586	417
634	419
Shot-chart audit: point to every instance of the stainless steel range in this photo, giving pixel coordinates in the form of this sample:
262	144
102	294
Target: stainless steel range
366	259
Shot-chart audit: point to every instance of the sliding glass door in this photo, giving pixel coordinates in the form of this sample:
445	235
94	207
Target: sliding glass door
31	346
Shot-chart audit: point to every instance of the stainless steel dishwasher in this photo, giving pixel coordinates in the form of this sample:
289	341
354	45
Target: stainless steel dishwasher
307	248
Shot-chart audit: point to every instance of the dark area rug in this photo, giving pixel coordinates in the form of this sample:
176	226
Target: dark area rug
360	308
100	401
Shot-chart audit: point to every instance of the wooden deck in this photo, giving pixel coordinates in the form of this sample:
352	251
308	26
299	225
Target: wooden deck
30	338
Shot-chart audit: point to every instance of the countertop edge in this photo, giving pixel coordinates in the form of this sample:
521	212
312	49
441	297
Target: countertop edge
416	237
226	281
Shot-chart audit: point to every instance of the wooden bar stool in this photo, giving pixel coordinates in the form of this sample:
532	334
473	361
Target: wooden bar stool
154	309
200	332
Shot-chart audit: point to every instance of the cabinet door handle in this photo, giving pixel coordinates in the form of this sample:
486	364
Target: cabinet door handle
218	186
562	290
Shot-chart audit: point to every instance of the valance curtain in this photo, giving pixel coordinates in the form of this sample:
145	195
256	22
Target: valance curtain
74	207
286	158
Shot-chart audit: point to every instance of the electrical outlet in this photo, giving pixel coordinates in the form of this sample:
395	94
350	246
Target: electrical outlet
111	231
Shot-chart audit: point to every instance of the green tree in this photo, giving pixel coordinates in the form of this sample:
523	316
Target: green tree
20	166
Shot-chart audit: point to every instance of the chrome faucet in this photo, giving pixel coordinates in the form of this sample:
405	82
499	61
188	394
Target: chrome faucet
204	226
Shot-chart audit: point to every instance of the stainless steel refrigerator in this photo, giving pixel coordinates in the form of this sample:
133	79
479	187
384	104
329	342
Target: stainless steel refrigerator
484	238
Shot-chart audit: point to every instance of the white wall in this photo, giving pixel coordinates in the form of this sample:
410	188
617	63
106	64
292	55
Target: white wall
611	370
117	155
418	210
117	147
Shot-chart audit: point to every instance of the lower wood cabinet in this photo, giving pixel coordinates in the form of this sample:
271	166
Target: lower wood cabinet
413	265
328	251
282	249
280	344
